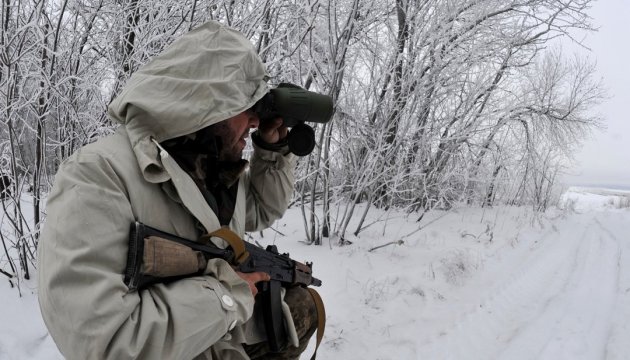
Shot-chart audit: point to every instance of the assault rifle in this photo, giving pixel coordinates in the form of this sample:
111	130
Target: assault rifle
156	257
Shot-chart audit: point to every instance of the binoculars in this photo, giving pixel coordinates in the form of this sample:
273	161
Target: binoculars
296	106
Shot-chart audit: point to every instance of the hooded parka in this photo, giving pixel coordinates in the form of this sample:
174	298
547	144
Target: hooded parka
206	76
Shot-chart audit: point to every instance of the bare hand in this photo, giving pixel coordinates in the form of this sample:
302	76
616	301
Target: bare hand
272	131
253	278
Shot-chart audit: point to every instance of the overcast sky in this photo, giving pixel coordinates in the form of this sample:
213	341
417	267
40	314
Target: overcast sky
604	159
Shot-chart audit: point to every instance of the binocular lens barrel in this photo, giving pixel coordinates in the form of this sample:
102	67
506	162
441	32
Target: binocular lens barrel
298	105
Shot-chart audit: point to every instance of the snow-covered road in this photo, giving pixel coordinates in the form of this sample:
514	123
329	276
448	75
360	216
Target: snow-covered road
564	296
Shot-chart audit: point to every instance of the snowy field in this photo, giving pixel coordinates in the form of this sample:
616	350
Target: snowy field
500	283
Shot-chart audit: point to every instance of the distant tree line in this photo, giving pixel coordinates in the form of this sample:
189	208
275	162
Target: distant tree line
436	102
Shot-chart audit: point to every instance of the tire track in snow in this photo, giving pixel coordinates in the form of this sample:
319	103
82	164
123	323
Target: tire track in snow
544	311
576	323
618	346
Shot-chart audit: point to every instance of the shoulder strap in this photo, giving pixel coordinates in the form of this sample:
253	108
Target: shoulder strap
188	191
321	318
235	241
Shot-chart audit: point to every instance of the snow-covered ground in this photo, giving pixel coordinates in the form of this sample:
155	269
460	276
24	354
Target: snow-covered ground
500	283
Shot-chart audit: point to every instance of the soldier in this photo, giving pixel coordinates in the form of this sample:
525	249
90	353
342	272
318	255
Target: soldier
174	164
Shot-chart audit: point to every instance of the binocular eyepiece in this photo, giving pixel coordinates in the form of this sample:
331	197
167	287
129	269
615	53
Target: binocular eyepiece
296	106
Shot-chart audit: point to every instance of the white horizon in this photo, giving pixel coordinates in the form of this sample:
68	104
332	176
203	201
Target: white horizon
603	159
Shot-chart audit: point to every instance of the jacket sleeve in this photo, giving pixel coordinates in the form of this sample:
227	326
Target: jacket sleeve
270	182
84	302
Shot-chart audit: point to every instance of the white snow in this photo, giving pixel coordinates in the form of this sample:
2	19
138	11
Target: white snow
500	283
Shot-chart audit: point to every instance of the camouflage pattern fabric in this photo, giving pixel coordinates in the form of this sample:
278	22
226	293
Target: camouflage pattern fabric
217	181
304	313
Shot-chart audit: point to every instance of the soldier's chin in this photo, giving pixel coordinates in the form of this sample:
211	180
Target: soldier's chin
234	155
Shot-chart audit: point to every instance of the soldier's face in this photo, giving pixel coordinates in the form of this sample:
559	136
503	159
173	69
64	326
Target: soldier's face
233	133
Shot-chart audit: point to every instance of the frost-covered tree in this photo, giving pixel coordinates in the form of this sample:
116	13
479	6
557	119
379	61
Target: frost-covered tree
436	102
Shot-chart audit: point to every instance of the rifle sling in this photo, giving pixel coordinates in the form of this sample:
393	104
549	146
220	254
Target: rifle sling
235	242
321	318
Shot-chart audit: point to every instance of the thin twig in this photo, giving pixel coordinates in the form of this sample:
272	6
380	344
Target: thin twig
427	224
6	273
399	242
281	234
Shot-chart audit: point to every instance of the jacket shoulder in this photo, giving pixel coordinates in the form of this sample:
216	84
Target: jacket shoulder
114	146
108	161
